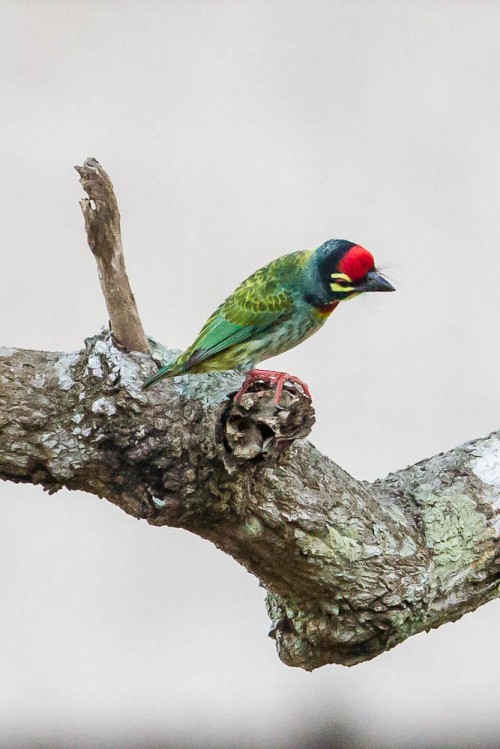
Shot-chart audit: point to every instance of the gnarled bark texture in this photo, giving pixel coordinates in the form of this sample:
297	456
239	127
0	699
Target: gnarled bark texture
351	568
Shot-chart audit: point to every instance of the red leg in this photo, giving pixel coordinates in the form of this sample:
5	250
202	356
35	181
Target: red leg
274	378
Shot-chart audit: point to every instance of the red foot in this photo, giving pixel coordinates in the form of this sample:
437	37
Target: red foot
274	378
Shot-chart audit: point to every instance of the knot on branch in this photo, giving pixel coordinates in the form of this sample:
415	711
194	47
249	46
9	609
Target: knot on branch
317	632
257	428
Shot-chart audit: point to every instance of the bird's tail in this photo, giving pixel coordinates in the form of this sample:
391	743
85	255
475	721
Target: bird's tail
169	371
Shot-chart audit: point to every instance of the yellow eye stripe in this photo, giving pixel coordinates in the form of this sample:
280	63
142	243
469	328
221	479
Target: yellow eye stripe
339	287
342	276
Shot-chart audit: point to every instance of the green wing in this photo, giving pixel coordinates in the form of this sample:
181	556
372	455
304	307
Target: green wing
257	305
262	301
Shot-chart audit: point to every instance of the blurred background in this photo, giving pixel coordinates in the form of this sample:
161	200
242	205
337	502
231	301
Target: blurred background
235	131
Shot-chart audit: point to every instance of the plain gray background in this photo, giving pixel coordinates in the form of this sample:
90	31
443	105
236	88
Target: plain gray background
235	132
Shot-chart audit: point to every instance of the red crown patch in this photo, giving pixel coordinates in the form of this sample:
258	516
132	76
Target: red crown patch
356	263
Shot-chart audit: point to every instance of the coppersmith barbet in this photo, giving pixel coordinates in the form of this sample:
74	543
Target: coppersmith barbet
276	308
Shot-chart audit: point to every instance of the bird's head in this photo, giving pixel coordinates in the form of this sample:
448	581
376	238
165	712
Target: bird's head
345	269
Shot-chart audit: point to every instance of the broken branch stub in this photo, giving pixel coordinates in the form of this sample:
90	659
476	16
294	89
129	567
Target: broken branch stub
102	224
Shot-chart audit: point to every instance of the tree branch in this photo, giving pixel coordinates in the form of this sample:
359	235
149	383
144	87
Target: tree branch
102	224
351	568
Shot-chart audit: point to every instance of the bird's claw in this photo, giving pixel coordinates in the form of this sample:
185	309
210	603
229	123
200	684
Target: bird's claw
273	378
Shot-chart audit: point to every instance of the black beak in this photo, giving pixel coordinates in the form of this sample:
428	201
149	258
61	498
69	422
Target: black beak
375	282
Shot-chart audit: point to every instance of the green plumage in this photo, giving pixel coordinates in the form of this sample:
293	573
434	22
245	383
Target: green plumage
266	315
277	307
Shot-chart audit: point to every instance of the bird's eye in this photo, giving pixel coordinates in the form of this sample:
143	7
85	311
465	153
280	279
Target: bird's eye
342	282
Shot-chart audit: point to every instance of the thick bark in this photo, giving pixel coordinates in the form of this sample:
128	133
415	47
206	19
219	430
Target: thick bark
351	568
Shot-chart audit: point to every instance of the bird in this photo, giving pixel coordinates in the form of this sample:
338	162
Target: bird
275	309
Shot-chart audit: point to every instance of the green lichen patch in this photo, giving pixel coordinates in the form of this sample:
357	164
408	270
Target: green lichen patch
334	544
453	529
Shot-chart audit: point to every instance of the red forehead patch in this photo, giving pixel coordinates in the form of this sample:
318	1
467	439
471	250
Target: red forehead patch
356	263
